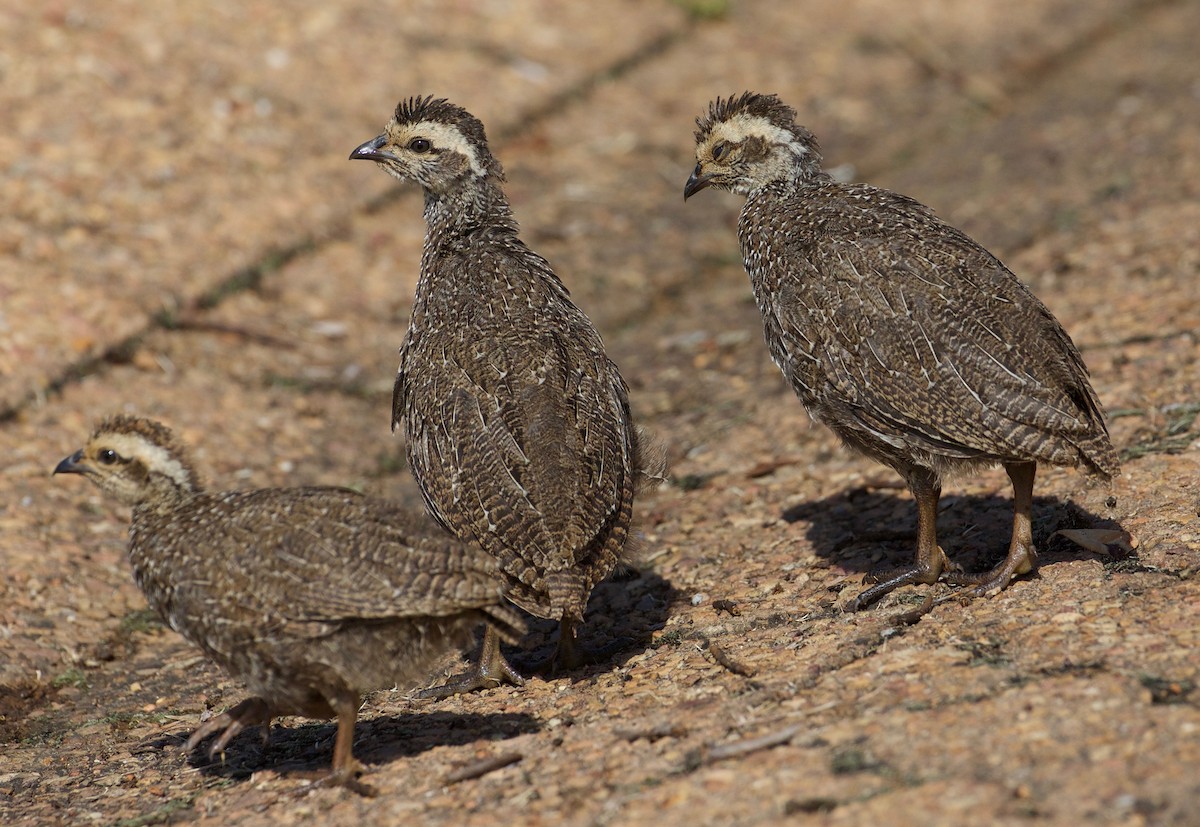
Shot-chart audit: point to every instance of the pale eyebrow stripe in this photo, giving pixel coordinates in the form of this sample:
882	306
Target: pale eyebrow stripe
744	126
156	458
444	136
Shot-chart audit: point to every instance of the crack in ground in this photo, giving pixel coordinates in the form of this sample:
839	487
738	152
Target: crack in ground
251	276
1025	82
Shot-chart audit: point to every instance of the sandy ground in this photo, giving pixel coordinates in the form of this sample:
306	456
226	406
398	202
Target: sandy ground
184	238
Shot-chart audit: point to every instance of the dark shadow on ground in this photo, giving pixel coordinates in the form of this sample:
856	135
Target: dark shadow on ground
308	748
622	616
19	703
853	528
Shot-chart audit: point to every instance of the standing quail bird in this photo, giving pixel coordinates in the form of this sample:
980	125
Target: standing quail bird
312	596
915	345
518	426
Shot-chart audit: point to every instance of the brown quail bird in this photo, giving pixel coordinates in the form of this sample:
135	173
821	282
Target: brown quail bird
312	596
915	345
518	426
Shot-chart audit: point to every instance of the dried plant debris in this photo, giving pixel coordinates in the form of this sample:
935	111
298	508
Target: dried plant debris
480	768
724	659
720	752
1100	540
1168	690
1173	430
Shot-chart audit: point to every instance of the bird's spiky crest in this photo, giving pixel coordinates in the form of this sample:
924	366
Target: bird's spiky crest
417	109
752	104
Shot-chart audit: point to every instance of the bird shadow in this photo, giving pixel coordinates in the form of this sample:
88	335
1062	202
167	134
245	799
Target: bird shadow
622	616
867	529
308	749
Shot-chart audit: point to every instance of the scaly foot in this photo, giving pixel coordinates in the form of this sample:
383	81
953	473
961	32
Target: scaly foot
250	712
489	671
925	572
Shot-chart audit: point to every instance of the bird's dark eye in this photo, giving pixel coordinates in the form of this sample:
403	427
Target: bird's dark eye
719	150
420	145
107	457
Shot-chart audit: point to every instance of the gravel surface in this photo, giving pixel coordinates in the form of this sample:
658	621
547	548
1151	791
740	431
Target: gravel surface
186	240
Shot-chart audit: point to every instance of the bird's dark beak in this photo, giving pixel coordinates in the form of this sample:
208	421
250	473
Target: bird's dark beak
71	465
372	150
695	183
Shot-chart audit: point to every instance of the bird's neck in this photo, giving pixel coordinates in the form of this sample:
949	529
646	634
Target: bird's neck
163	494
479	204
802	180
462	222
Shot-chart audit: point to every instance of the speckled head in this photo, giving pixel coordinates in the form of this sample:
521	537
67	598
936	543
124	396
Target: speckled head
135	460
749	141
435	143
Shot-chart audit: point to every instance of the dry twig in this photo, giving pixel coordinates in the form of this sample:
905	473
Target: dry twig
720	656
663	729
913	615
749	745
480	768
761	469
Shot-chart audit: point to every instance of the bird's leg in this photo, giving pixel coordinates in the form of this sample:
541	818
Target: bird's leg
931	560
250	712
488	671
346	768
568	654
1022	556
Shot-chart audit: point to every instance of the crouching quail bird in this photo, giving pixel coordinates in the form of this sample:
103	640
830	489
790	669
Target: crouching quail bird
312	596
517	424
915	345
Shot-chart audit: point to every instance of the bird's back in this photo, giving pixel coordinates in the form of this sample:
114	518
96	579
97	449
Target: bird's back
517	423
284	586
899	330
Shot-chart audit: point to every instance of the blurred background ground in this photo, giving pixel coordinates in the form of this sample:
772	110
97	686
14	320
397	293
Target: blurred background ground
183	237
